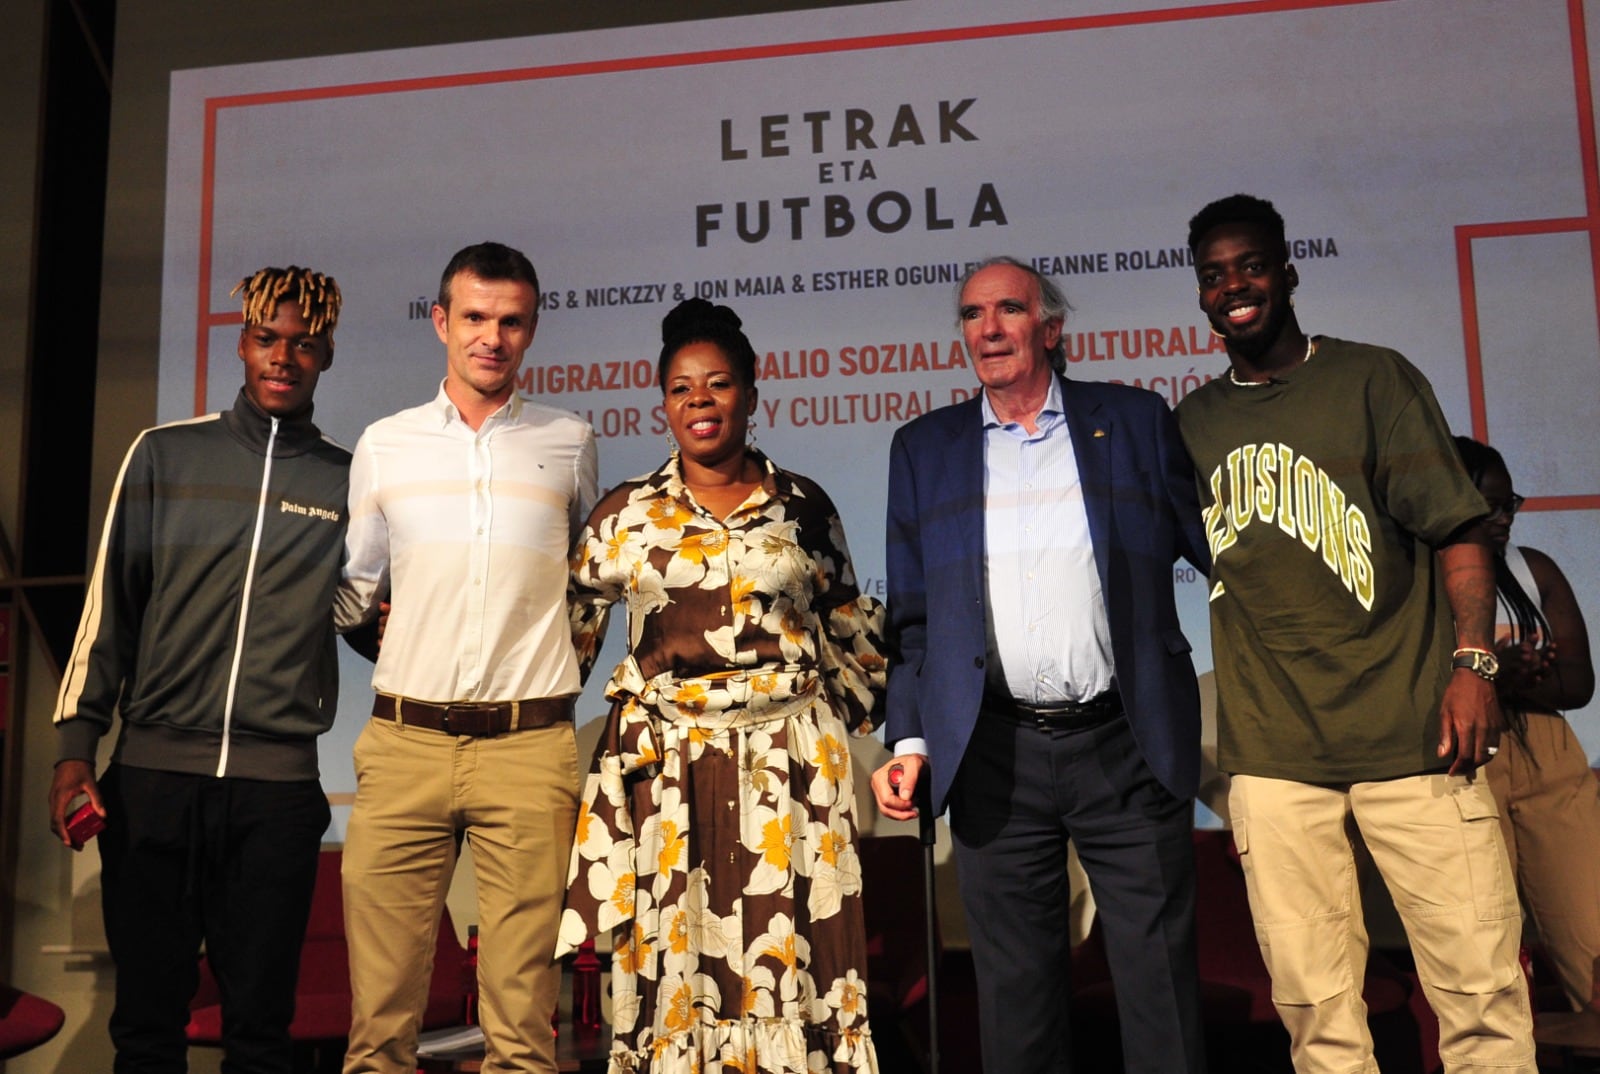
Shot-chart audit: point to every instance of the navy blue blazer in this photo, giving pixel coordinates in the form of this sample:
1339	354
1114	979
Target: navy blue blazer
1139	489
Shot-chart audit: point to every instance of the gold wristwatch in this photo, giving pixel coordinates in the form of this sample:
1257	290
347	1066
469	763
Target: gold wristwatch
1481	662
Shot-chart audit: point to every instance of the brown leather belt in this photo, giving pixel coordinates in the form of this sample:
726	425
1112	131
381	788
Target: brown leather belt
477	719
1061	716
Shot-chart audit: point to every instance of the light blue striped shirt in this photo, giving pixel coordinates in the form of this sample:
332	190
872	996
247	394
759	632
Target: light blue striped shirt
1048	636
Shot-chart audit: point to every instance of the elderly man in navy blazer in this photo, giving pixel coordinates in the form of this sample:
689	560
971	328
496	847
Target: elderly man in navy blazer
1045	687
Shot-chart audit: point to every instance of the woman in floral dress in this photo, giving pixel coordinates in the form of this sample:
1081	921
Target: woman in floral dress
716	839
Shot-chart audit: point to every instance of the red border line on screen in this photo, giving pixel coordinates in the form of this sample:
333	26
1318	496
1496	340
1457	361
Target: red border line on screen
1467	234
206	320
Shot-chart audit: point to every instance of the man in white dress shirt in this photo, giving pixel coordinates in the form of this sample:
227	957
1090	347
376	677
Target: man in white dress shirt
465	507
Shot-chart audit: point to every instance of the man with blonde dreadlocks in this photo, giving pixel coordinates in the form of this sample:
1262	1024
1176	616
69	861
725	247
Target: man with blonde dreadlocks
208	624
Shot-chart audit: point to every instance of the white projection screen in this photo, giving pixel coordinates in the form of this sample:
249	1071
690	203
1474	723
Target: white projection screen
827	173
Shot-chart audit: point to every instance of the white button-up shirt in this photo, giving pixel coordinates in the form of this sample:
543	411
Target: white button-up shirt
471	529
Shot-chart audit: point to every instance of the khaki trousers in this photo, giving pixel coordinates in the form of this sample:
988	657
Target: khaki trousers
515	798
1550	817
1437	843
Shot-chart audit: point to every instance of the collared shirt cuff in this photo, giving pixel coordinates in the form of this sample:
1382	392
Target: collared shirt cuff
911	745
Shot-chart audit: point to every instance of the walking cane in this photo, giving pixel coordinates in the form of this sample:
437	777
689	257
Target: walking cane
922	797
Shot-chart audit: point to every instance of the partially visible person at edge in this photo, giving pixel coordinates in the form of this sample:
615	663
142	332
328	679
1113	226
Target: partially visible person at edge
1045	689
717	837
208	625
466	506
1352	623
1549	799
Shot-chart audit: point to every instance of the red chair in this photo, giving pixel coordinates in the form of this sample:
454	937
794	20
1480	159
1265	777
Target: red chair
897	944
897	948
26	1021
322	992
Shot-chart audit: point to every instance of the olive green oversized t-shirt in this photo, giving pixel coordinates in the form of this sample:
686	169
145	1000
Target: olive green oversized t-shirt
1324	493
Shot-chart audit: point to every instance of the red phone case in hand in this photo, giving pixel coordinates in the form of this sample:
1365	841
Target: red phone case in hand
84	825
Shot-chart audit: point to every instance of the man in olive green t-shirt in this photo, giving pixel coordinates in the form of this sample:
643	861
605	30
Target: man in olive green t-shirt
1352	626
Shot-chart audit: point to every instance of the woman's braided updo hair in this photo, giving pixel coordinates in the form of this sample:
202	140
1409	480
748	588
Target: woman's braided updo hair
694	320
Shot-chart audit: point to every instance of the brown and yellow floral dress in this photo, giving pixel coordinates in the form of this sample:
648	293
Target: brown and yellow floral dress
716	838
